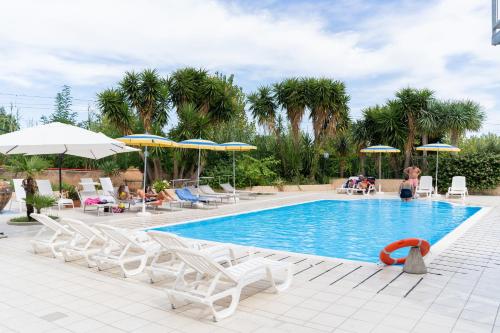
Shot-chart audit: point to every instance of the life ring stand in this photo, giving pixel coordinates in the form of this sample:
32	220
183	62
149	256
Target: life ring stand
385	254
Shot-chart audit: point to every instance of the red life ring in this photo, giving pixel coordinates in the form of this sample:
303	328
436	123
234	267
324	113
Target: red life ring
385	254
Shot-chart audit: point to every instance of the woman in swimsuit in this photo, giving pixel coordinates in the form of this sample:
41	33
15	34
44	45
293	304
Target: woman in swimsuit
406	189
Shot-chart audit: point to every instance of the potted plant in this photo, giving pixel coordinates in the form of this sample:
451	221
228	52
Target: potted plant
160	185
70	192
40	201
30	166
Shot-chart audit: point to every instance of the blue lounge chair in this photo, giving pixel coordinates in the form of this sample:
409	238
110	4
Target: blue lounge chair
186	195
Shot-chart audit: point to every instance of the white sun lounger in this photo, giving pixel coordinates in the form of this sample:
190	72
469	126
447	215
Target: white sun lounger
458	187
220	282
130	247
20	194
172	266
88	185
345	186
108	191
52	236
228	188
86	242
425	186
207	190
45	188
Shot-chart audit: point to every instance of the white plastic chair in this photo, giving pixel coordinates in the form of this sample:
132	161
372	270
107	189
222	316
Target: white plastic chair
20	194
425	186
86	241
171	266
52	236
458	187
88	185
220	282
45	188
109	192
130	248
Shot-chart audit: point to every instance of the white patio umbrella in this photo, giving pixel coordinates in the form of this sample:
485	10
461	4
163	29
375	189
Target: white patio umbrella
199	144
236	146
61	139
437	147
380	149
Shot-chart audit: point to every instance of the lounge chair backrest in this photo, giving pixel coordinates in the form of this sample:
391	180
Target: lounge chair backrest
167	239
83	229
44	187
51	224
227	187
207	189
172	194
202	263
184	194
107	186
87	185
19	189
118	235
425	183
458	183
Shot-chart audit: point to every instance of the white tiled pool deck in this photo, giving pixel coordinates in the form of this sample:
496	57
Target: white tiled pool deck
461	292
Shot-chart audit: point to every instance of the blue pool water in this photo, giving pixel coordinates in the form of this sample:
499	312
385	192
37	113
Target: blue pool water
355	229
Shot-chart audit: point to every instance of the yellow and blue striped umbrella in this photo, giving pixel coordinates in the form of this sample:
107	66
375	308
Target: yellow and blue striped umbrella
146	140
236	146
199	144
437	147
379	149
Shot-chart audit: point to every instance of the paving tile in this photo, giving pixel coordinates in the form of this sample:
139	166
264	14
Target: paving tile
358	326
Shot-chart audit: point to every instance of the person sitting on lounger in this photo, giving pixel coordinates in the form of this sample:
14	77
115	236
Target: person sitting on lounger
363	183
123	193
406	189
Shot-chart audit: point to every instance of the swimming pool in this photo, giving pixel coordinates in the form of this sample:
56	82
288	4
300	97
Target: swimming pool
347	229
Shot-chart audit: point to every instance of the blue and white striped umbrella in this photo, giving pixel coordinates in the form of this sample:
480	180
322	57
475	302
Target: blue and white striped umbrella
236	146
437	147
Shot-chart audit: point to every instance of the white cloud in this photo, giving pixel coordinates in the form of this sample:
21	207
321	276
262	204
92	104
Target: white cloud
90	43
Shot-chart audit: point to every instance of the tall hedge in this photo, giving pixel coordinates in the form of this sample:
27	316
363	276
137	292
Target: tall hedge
481	170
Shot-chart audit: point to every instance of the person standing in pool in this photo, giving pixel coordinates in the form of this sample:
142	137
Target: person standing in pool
406	189
413	173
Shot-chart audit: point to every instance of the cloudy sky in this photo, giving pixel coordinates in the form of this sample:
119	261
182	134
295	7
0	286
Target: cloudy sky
375	46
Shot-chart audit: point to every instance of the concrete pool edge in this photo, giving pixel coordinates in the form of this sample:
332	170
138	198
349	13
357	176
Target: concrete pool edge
437	248
456	233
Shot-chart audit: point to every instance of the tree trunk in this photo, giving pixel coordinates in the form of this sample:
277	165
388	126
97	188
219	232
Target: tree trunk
409	141
425	140
30	189
362	158
454	137
342	167
157	170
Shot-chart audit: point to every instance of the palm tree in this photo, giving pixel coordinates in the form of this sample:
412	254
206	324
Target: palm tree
30	166
461	116
184	85
362	137
144	95
263	108
411	104
291	95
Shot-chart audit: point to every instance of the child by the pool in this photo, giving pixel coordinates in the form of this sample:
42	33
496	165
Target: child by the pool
406	189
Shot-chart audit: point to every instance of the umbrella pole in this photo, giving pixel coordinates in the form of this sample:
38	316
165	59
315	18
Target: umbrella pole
380	172
60	172
198	176
144	182
234	177
437	168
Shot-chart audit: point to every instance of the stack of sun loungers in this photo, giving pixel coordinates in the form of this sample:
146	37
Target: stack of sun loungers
204	273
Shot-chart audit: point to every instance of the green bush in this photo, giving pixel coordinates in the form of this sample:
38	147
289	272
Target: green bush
251	171
160	185
109	168
71	191
481	170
